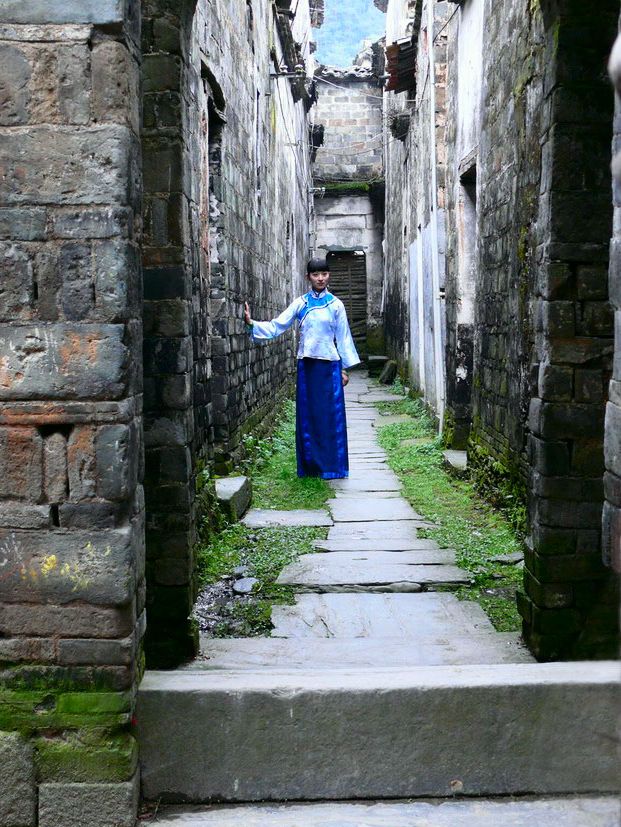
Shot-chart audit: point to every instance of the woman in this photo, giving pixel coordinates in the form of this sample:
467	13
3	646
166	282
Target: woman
325	351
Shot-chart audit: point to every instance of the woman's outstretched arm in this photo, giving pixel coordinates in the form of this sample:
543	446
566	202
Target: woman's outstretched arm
277	326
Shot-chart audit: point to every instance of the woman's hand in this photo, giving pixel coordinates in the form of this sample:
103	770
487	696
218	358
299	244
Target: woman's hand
344	377
247	318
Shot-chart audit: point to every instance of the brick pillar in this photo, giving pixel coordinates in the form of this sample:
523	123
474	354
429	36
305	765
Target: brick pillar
571	597
71	504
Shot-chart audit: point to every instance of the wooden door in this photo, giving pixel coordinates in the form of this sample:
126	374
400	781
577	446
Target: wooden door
348	281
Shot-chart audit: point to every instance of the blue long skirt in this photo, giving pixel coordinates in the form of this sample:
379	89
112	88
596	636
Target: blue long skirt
321	426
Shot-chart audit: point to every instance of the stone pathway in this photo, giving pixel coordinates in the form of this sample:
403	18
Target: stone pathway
373	594
378	683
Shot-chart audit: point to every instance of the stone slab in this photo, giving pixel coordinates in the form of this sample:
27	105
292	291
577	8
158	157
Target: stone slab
366	495
390	529
377	544
352	510
339	653
399	616
375	481
372	569
309	734
234	496
563	812
264	517
387	557
63	11
456	462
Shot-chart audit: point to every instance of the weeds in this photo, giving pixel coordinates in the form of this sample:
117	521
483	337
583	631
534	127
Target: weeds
479	535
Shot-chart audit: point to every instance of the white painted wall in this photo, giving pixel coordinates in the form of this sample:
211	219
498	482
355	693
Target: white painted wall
469	75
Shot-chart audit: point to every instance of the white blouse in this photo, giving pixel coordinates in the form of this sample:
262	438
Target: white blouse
323	328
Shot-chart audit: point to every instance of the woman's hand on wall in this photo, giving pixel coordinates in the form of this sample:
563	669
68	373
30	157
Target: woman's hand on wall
247	318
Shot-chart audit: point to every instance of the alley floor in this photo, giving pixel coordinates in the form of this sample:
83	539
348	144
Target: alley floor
374	594
378	682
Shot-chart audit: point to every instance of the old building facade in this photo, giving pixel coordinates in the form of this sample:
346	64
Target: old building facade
498	248
155	173
349	194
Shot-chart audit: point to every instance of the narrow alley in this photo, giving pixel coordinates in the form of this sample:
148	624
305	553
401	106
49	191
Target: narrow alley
200	622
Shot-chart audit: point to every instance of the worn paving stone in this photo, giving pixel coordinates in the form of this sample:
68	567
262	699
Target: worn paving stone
377	396
353	510
377	544
339	653
366	495
264	517
399	616
368	568
388	529
593	811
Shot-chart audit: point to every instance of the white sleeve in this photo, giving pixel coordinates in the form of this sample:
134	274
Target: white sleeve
344	341
270	330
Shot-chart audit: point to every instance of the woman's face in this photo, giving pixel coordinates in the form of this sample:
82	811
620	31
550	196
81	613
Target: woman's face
319	280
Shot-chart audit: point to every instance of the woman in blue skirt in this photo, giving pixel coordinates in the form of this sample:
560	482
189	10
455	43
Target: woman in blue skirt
326	349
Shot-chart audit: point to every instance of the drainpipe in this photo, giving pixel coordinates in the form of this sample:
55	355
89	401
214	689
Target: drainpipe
435	253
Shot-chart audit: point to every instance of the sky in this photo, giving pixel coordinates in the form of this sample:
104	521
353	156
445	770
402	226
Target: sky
347	24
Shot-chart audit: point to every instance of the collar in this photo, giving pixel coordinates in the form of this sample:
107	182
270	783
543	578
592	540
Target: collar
319	295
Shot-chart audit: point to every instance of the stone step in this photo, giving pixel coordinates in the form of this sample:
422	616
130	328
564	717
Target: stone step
388	529
401	616
265	517
234	496
369	568
509	729
578	811
339	653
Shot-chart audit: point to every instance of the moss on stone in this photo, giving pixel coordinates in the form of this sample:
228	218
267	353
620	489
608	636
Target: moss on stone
72	757
347	188
30	711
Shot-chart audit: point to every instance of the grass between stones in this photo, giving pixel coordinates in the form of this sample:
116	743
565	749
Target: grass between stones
479	534
261	553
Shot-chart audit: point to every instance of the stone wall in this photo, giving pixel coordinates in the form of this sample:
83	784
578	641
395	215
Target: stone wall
72	587
529	325
612	447
225	164
415	191
227	200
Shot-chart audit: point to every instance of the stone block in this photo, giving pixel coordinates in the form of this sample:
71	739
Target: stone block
96	567
21	458
587	457
55	467
32	650
64	361
117	280
92	515
117	456
103	222
16	283
18	795
116	85
548	456
554	419
84	651
592	282
68	166
70	620
569	513
24	515
555	382
305	730
234	496
63	11
86	805
555	318
167	317
588	385
612	445
23	223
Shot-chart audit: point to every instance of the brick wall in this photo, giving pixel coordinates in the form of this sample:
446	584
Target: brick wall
227	186
71	504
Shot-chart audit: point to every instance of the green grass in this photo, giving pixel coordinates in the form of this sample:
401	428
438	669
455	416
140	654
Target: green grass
465	522
265	551
276	483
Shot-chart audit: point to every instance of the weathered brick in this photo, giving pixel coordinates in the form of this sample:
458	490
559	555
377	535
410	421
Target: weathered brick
68	621
68	361
21	457
83	805
55	467
117	455
116	85
23	223
16	282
